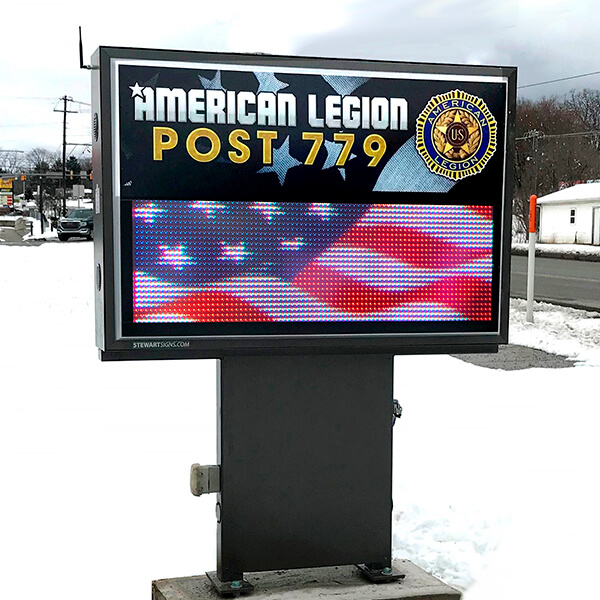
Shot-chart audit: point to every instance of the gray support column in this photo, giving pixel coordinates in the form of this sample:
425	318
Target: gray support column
305	450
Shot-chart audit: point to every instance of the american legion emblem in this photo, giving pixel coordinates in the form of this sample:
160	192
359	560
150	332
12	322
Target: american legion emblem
456	134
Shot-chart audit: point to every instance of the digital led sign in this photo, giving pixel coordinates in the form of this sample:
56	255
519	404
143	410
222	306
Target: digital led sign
210	261
260	204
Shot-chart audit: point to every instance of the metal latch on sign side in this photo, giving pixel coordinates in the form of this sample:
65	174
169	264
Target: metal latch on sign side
205	479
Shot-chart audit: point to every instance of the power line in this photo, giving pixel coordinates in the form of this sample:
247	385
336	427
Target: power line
541	135
558	135
30	124
53	98
69	99
520	87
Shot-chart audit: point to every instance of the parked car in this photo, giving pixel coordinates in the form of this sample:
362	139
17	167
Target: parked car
79	222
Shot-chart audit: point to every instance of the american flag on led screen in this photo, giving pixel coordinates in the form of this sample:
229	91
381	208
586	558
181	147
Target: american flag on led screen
211	261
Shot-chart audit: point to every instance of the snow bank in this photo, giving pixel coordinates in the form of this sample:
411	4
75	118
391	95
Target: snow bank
36	234
560	330
575	251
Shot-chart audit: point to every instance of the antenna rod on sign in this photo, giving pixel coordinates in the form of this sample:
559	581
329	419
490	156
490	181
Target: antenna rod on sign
81	65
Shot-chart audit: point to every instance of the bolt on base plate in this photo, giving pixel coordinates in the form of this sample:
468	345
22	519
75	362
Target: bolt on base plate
385	575
230	588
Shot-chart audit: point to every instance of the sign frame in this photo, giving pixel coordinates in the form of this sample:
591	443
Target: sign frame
113	345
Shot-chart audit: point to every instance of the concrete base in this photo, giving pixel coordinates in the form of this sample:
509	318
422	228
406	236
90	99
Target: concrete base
513	357
341	583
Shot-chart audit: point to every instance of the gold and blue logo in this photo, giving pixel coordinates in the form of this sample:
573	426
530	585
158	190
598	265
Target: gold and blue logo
456	134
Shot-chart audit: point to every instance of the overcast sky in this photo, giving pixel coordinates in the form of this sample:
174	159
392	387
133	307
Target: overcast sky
545	39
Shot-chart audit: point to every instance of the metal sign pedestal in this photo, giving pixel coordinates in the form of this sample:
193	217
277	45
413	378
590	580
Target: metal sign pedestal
305	457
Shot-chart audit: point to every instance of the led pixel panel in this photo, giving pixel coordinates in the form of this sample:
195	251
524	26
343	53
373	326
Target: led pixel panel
209	261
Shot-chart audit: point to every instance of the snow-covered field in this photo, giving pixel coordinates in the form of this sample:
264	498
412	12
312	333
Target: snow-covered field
561	250
496	474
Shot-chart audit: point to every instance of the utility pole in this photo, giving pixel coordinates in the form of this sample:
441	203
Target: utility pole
64	158
534	135
64	111
41	203
535	142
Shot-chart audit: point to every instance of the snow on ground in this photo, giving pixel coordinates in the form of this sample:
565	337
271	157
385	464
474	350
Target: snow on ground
566	331
37	234
496	480
563	250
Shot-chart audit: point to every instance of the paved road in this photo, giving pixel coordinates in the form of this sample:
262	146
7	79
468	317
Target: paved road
7	234
569	282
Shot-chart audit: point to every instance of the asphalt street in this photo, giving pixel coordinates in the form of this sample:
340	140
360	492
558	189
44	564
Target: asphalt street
9	235
573	283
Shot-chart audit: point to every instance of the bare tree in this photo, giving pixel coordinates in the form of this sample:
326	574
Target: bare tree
548	115
586	105
40	159
11	161
86	163
547	153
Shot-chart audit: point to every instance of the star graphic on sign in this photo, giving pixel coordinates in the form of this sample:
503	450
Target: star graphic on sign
325	210
334	149
267	82
137	91
212	84
148	212
208	207
292	244
268	209
344	84
283	161
470	129
175	256
235	252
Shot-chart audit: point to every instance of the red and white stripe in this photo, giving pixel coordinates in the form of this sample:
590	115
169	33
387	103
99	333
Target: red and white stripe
399	263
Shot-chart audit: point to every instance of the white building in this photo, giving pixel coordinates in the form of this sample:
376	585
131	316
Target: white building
571	216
